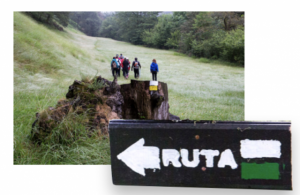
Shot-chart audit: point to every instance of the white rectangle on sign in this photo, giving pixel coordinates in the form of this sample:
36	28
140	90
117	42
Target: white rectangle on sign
155	83
260	148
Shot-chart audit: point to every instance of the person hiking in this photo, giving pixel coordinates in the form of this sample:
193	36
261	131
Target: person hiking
136	65
128	66
154	70
122	60
121	56
125	67
114	66
119	62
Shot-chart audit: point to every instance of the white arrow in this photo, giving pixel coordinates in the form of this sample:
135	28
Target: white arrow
139	157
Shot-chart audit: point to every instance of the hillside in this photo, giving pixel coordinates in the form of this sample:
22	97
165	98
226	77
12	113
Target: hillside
47	61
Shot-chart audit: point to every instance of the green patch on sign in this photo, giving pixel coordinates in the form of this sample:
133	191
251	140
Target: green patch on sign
260	171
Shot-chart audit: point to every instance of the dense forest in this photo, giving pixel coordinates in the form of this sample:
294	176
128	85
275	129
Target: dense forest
211	35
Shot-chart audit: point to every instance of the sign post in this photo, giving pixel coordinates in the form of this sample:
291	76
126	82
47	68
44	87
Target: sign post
201	154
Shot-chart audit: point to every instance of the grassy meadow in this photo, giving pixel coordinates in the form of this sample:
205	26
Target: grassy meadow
47	61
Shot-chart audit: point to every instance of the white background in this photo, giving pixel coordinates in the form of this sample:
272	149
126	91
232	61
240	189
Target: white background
271	91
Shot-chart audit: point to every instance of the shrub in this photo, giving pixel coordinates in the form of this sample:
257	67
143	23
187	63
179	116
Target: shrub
233	46
173	42
228	46
204	60
96	85
209	47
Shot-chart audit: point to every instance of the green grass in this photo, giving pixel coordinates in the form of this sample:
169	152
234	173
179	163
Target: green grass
47	61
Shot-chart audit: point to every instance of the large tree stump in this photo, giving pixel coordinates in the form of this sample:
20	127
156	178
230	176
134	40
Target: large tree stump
141	103
100	101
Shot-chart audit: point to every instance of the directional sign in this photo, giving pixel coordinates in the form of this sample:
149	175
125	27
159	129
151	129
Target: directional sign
201	154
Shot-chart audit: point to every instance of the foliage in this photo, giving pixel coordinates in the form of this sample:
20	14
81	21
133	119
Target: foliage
204	60
63	18
212	35
96	84
109	27
87	22
158	35
209	48
50	17
128	26
71	128
92	82
233	45
173	41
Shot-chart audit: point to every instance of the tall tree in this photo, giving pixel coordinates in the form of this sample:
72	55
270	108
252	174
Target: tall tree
160	33
109	27
87	22
131	25
230	19
62	17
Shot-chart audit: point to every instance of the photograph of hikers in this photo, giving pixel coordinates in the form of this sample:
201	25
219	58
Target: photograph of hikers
76	71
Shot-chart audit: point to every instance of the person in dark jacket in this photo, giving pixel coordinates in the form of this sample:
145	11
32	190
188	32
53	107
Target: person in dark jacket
126	65
136	65
121	65
114	66
154	70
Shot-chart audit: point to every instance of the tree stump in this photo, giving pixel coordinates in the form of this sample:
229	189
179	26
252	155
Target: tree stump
141	103
99	101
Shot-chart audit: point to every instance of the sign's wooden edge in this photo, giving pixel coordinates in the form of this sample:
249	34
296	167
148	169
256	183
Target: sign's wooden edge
233	186
197	121
226	125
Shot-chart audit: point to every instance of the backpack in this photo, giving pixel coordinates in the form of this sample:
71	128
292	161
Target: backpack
119	62
114	65
136	65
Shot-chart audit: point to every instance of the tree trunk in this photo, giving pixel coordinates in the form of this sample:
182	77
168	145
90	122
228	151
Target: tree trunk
141	103
48	18
226	23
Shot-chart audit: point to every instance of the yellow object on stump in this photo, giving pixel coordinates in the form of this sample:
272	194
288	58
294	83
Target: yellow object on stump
153	85
153	88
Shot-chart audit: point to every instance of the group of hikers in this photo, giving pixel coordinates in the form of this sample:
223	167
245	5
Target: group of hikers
123	63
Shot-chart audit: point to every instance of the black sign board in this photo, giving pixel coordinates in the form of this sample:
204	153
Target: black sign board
201	154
